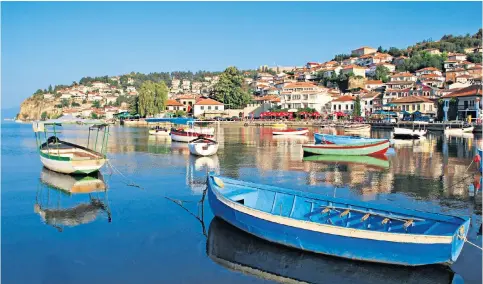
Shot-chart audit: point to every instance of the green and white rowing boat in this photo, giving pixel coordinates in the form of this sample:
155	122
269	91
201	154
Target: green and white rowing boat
69	158
360	149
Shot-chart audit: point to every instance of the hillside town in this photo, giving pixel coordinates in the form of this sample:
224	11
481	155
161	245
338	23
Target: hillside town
309	87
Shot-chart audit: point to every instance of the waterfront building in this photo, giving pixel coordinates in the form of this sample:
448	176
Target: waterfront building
208	108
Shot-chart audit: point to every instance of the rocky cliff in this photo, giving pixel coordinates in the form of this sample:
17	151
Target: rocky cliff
356	83
33	107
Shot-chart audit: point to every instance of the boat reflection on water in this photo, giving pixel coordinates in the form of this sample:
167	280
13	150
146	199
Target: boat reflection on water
373	162
180	148
82	197
198	168
239	251
403	143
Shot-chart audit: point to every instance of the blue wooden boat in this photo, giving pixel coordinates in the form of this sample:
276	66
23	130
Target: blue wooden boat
337	227
321	138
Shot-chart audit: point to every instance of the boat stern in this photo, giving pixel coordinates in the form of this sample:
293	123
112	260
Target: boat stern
459	238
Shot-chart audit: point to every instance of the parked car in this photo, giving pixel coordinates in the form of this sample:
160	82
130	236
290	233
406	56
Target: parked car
218	118
235	118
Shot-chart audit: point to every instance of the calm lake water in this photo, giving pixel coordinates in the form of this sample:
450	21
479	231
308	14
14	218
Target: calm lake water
134	234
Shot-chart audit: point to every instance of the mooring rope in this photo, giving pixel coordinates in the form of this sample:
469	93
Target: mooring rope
129	182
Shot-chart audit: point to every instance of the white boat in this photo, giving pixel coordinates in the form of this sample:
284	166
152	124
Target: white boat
201	130
69	158
408	133
459	130
298	131
159	131
186	136
203	147
357	127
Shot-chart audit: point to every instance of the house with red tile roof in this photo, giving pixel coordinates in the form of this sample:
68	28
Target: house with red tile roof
343	104
208	108
173	105
428	70
416	103
357	70
457	57
469	101
404	76
373	84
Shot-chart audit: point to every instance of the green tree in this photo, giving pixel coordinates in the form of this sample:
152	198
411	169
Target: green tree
357	107
43	116
231	89
152	98
382	73
65	102
134	105
74	104
96	104
94	115
474	57
50	88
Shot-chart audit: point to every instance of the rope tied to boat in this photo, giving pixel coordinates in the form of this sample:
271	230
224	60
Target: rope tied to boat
461	236
129	182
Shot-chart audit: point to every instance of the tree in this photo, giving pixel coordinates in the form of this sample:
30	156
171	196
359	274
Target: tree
357	107
393	51
43	116
65	102
134	105
152	98
474	57
231	90
96	104
74	104
50	89
94	115
340	57
382	73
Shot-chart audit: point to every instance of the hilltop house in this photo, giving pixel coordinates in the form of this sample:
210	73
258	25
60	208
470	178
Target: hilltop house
357	70
373	84
428	70
364	50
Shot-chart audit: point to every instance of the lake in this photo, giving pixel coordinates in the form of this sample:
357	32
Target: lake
150	227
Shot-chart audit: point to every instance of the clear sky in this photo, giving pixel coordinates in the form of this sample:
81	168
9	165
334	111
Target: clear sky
60	42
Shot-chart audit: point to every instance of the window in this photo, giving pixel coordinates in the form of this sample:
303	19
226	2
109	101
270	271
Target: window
335	107
346	106
184	102
370	102
209	107
202	107
216	107
352	106
339	107
419	107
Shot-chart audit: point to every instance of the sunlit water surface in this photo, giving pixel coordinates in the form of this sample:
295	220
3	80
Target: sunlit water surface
133	234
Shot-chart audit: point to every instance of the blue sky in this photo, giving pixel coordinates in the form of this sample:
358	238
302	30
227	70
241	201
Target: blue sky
60	42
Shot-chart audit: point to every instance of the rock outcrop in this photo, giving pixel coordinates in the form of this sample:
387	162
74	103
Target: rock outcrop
33	107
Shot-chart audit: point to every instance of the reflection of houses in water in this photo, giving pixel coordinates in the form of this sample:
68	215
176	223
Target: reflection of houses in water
82	199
